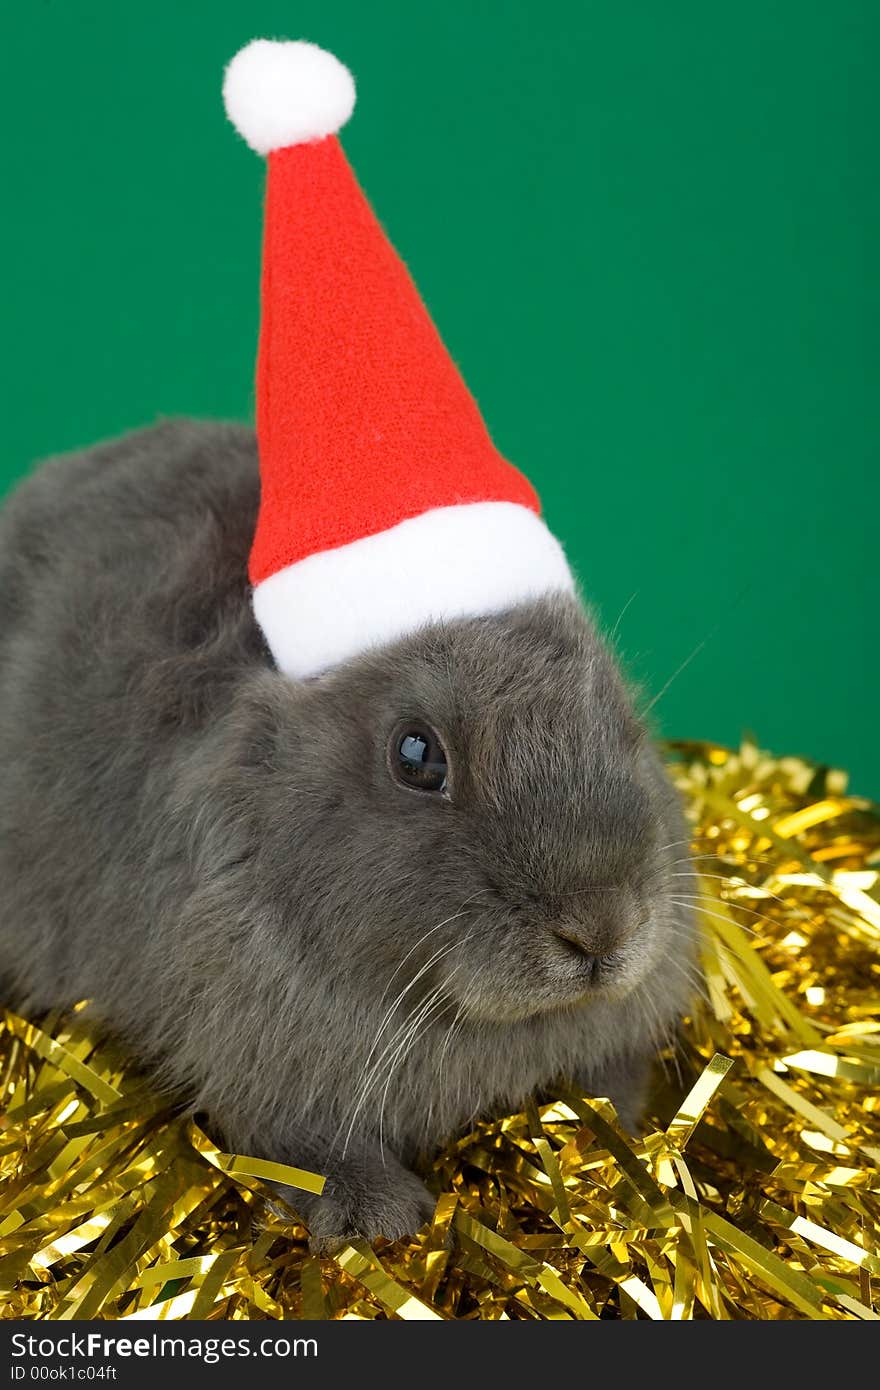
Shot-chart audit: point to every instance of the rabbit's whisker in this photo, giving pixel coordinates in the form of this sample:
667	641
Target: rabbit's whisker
699	902
428	1016
430	932
371	1073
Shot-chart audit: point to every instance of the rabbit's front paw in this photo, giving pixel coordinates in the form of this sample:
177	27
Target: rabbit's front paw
370	1200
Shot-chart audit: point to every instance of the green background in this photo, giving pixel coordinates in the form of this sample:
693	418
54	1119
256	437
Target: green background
647	232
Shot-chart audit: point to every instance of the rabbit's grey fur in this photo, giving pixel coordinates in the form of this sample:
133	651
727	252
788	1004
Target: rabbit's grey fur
217	857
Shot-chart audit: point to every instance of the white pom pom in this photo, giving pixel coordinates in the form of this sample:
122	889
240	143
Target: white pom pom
278	94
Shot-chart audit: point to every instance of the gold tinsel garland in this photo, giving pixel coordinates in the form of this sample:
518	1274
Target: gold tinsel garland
758	1196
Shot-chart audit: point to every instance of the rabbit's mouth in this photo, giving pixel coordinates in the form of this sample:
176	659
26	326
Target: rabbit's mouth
599	972
565	976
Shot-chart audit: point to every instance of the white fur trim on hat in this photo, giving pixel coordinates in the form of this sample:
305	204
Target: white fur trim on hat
279	93
452	562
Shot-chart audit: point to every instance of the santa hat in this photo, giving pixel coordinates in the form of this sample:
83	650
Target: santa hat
384	503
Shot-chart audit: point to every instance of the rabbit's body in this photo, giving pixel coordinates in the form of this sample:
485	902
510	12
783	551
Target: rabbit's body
342	972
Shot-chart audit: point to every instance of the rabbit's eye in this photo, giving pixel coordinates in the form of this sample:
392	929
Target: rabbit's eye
417	758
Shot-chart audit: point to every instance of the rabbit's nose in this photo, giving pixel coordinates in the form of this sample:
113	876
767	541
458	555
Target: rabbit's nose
579	941
588	962
595	932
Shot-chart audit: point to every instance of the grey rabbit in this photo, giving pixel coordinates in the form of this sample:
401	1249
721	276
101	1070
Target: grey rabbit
339	965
